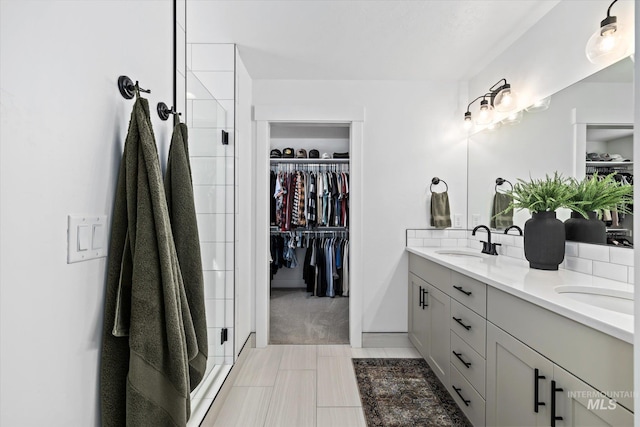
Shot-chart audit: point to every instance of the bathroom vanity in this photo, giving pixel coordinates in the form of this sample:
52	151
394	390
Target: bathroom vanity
522	347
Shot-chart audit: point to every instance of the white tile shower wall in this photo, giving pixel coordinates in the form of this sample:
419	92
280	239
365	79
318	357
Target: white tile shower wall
603	261
213	170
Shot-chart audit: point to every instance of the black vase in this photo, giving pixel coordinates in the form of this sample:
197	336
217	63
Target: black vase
579	229
544	241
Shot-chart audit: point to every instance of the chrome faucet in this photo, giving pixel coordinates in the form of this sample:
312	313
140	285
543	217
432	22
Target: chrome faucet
487	247
506	230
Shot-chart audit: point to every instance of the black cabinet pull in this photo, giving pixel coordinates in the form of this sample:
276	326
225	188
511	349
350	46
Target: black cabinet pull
421	297
466	402
424	298
467	327
467	293
459	356
554	390
536	388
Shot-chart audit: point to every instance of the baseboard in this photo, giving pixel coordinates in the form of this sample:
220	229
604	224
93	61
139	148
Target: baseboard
218	402
386	340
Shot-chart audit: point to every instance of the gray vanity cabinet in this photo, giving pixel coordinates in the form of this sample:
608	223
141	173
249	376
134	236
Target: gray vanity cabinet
580	405
429	324
517	378
528	337
418	314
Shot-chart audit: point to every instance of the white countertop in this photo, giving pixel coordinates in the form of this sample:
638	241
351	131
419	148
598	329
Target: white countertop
538	287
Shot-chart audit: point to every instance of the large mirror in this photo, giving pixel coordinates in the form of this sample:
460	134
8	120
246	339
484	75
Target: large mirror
594	115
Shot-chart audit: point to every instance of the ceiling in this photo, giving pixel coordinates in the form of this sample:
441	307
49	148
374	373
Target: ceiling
437	40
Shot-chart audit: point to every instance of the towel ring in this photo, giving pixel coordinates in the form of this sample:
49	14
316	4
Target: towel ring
500	181
436	181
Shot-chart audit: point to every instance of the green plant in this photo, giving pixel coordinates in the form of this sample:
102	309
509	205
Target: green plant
601	192
540	195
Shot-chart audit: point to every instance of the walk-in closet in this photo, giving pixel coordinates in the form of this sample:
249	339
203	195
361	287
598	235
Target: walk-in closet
309	233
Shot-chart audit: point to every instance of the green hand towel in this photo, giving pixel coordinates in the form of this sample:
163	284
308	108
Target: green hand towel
440	211
182	212
500	219
145	363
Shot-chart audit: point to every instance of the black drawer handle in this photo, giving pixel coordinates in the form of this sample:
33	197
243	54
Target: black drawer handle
536	388
459	356
421	302
424	298
554	390
458	390
467	327
467	293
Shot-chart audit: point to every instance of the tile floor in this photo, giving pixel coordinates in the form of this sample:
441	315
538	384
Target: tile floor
299	386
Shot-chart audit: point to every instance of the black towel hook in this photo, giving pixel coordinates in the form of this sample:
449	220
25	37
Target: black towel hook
500	181
435	181
128	89
164	112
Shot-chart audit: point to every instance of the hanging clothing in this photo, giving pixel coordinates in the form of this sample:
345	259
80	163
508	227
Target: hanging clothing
182	214
148	336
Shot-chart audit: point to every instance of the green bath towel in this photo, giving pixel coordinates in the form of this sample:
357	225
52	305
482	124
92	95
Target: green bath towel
440	211
148	336
499	219
182	212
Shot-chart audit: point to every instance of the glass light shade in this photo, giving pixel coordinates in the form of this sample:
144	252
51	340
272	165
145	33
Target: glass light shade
468	123
506	100
485	115
540	105
513	118
610	43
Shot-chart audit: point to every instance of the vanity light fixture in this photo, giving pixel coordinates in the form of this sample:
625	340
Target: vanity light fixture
610	42
540	105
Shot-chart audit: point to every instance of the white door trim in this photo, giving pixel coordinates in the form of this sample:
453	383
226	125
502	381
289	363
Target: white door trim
264	115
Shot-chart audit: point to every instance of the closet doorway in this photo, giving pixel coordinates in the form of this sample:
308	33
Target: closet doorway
309	233
307	290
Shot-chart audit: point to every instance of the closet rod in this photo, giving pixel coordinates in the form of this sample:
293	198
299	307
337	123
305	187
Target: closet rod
311	232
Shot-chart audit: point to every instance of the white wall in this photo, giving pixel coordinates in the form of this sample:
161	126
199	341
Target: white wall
61	137
409	137
551	55
245	224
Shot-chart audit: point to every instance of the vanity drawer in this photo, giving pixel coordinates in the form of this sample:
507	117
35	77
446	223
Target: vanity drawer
469	363
469	326
469	292
467	398
430	272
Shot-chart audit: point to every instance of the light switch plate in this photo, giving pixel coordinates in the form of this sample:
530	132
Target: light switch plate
475	220
457	221
86	232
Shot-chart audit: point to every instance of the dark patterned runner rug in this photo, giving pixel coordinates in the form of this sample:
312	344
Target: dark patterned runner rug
404	392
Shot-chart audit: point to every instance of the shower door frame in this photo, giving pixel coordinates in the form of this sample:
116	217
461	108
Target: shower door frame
264	116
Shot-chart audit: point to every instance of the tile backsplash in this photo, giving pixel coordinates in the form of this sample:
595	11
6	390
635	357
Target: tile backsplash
599	260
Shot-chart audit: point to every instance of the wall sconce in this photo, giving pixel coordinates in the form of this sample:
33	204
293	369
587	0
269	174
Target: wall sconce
611	42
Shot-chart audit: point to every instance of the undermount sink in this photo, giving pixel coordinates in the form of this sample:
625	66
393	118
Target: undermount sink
460	253
610	299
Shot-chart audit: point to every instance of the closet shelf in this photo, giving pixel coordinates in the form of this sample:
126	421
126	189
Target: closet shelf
308	230
608	164
309	161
